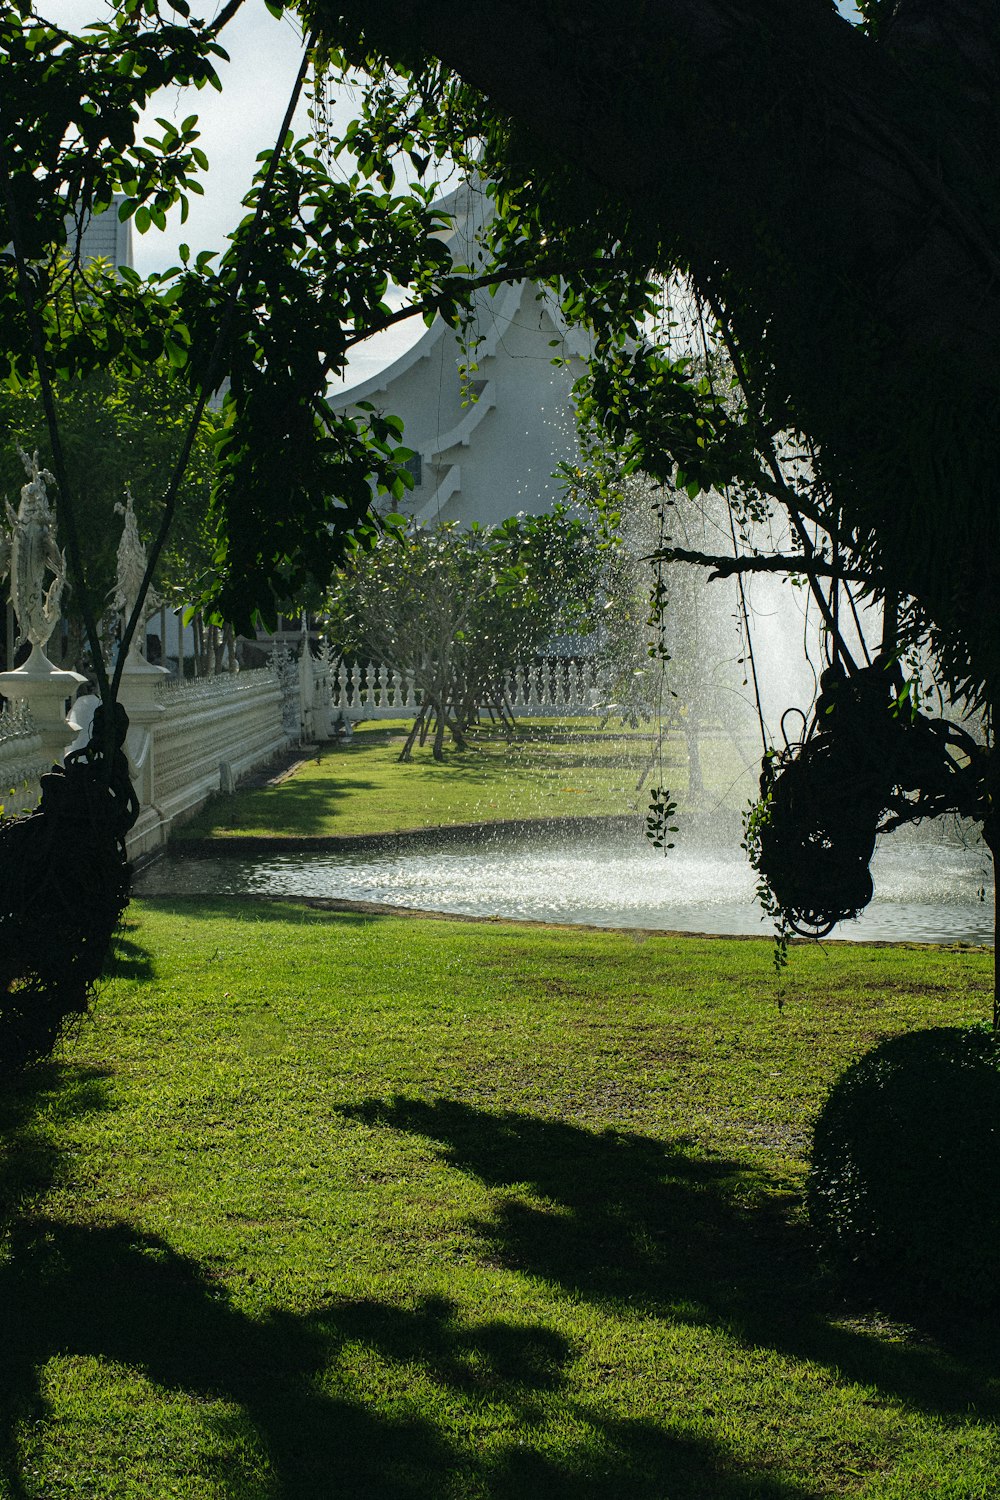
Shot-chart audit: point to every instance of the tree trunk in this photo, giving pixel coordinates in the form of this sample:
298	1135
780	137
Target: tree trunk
198	644
991	838
437	749
457	731
406	753
229	644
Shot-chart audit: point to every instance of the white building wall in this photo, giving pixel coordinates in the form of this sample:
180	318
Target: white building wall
105	236
486	459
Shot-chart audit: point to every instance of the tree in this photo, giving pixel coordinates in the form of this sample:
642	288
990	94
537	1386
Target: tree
120	431
275	317
451	610
831	188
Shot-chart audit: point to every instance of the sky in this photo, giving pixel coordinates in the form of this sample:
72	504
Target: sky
236	125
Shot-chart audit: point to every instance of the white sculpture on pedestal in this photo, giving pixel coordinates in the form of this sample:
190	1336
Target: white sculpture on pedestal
29	552
139	681
129	577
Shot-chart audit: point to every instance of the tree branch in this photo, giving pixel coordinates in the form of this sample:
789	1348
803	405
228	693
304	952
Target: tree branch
531	271
776	562
224	17
211	373
783	491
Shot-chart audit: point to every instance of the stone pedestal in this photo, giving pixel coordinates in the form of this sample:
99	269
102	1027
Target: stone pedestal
137	695
46	689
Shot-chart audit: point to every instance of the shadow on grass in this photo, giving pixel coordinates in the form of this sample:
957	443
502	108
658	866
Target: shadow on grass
306	803
302	1430
628	1219
253	910
301	806
119	1296
127	960
32	1107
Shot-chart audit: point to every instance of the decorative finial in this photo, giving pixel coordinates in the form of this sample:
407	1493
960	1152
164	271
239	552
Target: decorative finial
29	553
131	559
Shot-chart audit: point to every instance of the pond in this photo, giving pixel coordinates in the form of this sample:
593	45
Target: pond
926	888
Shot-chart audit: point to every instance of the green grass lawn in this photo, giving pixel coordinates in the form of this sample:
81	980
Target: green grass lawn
548	771
323	1205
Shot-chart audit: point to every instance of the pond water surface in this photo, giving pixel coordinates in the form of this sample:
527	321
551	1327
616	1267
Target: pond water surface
926	889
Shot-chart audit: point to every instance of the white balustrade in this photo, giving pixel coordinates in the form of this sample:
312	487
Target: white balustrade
213	731
22	759
206	734
555	687
185	740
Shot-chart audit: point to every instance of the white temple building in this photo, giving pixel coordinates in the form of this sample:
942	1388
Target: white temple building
105	237
488	446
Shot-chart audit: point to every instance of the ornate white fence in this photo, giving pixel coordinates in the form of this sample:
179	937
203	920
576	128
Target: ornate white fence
22	759
211	733
547	689
195	738
190	739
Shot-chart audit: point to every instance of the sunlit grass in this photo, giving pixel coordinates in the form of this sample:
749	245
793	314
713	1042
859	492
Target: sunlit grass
329	1205
548	770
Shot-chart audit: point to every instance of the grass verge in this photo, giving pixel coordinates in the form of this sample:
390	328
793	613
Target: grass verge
548	771
329	1205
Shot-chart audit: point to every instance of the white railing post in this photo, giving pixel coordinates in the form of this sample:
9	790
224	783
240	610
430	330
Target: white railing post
321	695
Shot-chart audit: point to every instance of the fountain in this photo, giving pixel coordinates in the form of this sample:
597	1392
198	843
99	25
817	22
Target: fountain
925	892
927	883
930	882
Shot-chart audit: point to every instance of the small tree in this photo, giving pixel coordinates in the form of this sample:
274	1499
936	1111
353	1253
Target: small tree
451	609
120	430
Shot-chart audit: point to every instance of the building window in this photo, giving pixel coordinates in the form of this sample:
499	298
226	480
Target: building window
415	466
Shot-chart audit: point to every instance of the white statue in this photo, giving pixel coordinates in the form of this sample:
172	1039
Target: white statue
131	560
131	571
28	552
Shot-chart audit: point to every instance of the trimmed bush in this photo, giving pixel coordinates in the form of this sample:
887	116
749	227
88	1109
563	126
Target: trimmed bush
905	1179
